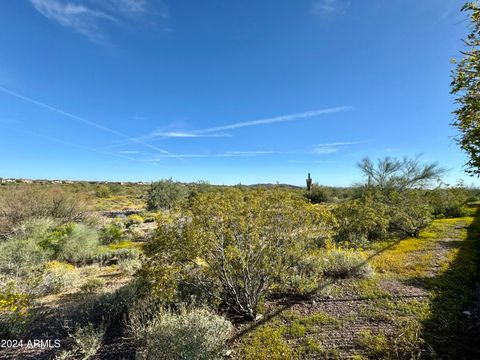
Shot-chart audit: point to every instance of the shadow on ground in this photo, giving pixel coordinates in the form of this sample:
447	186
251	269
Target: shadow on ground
451	332
288	301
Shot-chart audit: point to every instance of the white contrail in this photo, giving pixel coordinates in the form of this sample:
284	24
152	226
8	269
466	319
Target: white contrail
277	119
272	120
344	143
87	122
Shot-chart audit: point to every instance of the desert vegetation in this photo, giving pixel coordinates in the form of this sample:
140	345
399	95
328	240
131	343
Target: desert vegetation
196	271
150	94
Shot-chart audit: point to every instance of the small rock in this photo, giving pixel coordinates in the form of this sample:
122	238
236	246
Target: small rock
467	313
329	297
313	302
228	353
258	317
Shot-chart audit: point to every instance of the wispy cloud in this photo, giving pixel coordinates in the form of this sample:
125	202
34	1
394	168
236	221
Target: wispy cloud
213	131
180	134
333	147
216	155
329	7
132	6
250	152
128	152
324	150
274	120
88	17
79	17
87	122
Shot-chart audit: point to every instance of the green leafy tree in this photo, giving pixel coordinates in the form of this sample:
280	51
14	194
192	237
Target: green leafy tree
164	193
234	245
466	86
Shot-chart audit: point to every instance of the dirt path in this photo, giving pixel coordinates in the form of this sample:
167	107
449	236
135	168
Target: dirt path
362	318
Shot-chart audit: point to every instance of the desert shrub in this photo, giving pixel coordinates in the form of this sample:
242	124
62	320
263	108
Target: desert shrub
92	285
115	256
164	193
360	221
18	257
25	249
148	216
342	263
37	228
86	341
135	233
112	234
188	334
15	311
143	314
129	266
58	276
23	203
198	188
134	219
304	276
398	185
449	202
409	212
103	191
107	308
75	243
319	194
230	236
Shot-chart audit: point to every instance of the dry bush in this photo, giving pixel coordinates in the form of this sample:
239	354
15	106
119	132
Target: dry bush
343	263
21	203
86	341
58	276
189	334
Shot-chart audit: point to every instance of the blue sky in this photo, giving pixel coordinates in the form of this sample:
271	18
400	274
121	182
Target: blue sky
225	91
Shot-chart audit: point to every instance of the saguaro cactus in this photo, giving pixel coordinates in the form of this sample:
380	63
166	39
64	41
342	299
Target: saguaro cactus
309	182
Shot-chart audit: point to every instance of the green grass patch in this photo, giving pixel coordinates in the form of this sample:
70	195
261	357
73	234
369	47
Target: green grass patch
448	331
267	343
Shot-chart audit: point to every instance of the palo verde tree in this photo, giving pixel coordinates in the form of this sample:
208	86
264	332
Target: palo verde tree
466	86
391	174
234	245
400	186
